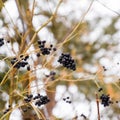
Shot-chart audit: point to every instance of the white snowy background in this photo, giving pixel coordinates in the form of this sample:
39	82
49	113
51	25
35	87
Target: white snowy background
73	9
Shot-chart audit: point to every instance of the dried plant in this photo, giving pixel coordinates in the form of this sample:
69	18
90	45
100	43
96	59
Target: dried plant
34	66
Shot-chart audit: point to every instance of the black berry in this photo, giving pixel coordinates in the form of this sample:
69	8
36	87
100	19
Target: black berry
51	45
26	57
54	49
8	41
38	54
82	115
28	68
100	89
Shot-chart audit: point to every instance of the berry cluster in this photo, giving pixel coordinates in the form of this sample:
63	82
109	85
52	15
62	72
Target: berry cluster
45	50
22	63
105	100
39	99
67	100
1	42
67	61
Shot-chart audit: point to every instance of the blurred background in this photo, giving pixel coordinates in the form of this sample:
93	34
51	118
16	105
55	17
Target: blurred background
88	30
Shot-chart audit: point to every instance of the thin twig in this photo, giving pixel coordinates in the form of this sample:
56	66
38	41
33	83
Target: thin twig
98	109
77	26
32	12
45	24
108	8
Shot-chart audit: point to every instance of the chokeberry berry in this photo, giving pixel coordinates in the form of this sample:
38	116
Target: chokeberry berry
38	54
100	89
54	49
39	42
51	45
8	41
28	68
26	57
21	56
82	115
